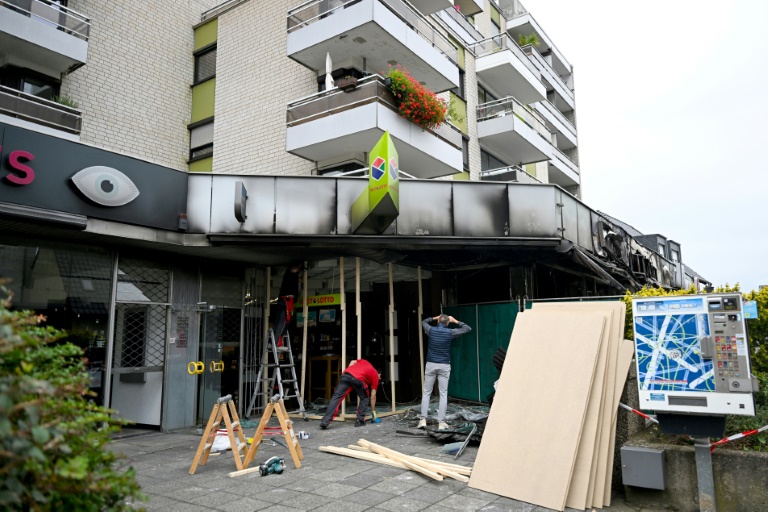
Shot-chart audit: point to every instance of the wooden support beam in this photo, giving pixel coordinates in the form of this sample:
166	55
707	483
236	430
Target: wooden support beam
392	335
427	468
305	311
370	457
420	315
343	363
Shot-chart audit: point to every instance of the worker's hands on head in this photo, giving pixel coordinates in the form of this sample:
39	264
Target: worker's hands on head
451	319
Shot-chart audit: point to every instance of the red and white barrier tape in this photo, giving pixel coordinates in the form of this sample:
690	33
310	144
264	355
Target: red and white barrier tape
734	437
654	420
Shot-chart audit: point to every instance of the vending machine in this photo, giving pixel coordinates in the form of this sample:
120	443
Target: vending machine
692	354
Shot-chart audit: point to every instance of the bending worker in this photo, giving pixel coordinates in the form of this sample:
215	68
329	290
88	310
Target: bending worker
439	364
361	376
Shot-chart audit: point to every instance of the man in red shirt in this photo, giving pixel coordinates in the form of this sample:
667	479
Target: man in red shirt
361	376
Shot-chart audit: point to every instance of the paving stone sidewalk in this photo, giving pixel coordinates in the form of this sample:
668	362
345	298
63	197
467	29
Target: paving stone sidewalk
324	482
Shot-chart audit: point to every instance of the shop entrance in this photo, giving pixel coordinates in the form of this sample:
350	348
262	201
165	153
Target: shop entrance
219	351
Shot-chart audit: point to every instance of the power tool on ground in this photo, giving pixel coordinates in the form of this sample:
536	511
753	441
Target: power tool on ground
272	465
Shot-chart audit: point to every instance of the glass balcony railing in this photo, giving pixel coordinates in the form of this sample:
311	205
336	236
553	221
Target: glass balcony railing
463	22
369	90
512	173
546	105
30	108
546	69
53	14
316	10
565	160
510	106
504	42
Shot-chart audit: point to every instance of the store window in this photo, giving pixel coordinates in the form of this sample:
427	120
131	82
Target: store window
71	288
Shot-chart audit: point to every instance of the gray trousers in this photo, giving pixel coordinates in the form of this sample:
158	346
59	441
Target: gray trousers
442	372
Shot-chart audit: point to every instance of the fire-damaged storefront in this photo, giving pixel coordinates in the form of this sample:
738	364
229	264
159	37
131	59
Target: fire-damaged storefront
166	279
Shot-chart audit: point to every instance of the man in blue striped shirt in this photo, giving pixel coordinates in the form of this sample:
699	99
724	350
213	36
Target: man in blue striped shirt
439	363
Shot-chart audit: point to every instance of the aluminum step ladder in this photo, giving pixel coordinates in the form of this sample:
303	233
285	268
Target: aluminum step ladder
276	357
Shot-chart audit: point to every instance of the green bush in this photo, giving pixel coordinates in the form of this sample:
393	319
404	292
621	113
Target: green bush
757	330
53	453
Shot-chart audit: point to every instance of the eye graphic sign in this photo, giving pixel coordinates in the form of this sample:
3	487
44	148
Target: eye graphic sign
47	172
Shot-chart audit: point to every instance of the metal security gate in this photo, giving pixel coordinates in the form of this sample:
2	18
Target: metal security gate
253	333
142	308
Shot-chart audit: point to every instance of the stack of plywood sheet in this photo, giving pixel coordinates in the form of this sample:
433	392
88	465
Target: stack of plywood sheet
549	439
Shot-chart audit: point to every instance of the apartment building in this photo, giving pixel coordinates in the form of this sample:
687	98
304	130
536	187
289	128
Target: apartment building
163	162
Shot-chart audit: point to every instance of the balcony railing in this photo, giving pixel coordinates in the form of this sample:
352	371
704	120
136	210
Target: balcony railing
514	9
55	15
549	107
504	42
315	10
565	159
369	90
463	22
39	111
545	67
520	176
507	106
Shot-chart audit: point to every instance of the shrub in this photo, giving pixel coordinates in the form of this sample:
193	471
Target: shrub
415	102
53	453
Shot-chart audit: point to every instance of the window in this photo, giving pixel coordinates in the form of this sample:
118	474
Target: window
29	82
661	250
459	91
205	64
484	96
201	140
465	152
489	162
675	256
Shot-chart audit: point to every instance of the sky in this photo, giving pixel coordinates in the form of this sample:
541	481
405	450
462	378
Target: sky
672	119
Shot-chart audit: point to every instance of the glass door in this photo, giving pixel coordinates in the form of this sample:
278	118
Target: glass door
219	353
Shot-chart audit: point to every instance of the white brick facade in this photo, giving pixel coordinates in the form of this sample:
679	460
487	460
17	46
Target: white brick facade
255	81
134	91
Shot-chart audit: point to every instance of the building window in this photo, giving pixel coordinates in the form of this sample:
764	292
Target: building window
661	250
484	96
29	82
205	64
465	152
460	90
201	140
675	256
489	162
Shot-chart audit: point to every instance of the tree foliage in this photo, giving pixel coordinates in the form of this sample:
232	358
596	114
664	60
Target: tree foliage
53	453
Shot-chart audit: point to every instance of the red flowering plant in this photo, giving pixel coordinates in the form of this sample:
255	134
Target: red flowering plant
415	102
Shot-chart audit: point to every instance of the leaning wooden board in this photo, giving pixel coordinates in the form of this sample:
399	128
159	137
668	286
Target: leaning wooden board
532	434
601	409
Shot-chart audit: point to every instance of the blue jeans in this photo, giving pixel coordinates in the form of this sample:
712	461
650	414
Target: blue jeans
441	372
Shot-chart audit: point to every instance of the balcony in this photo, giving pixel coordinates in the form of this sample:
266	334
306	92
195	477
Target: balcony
469	7
328	125
550	76
522	23
505	70
513	174
36	110
460	25
427	7
562	170
512	132
561	126
48	38
373	34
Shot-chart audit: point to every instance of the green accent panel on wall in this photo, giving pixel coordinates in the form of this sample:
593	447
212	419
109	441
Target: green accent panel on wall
495	15
530	169
204	165
460	107
461	51
203	98
206	34
462	176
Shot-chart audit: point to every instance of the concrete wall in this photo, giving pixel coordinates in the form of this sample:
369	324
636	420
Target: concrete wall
134	90
741	480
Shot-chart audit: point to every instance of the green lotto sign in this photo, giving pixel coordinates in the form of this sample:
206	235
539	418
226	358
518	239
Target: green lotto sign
379	203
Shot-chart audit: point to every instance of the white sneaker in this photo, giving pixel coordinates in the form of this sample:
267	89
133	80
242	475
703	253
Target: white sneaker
443	426
422	423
